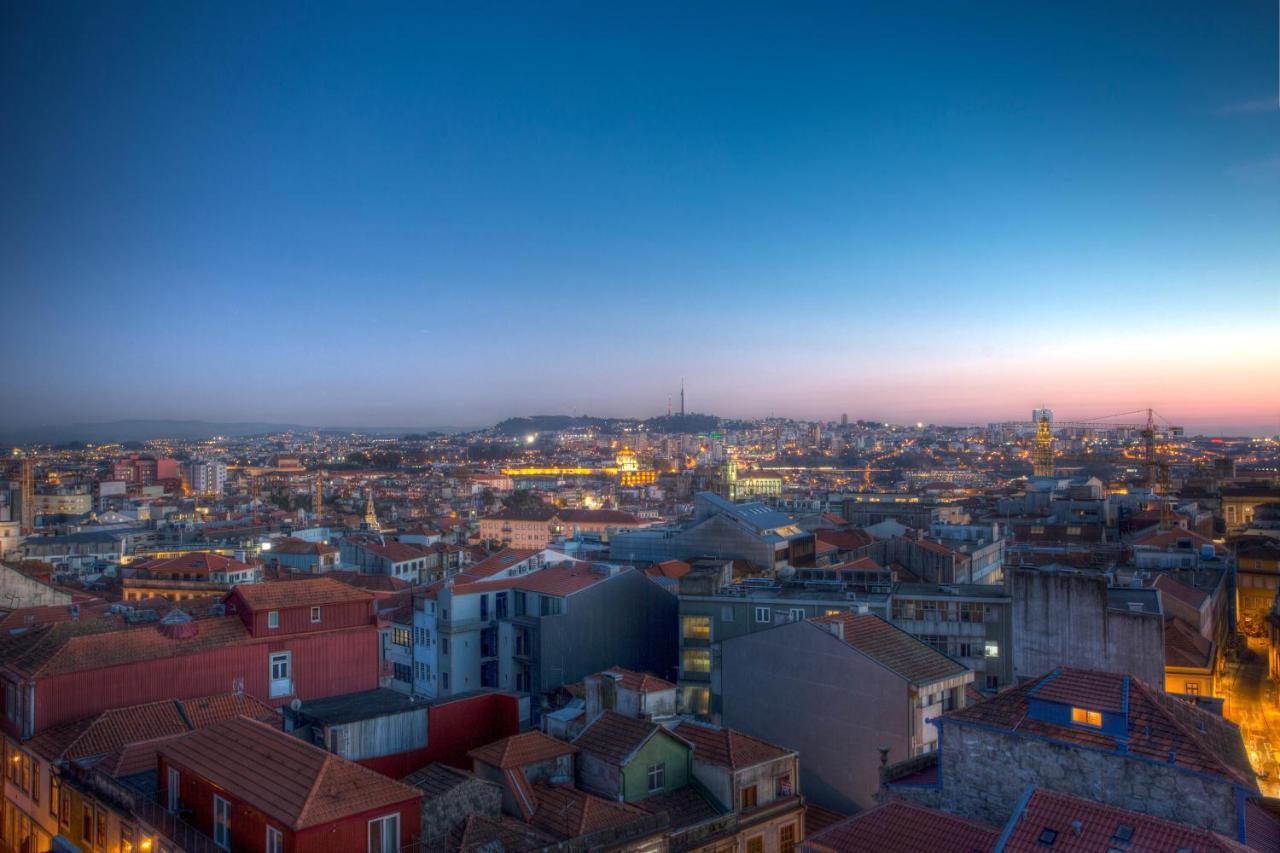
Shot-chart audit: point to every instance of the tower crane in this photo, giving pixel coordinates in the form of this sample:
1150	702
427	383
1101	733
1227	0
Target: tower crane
1155	426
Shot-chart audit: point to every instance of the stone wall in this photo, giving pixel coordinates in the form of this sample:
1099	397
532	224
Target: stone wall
984	773
441	814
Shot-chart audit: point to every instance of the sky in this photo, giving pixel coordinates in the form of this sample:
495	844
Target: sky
444	215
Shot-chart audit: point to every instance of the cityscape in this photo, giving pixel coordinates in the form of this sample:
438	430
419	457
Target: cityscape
571	428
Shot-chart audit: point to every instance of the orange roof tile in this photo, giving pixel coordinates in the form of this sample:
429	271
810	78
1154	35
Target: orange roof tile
521	750
279	595
568	812
642	682
903	827
727	747
287	778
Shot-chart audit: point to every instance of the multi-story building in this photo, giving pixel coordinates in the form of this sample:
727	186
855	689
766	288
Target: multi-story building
747	531
971	623
206	476
276	642
533	632
375	554
144	470
1107	737
796	685
312	557
1239	502
538	528
62	502
196	574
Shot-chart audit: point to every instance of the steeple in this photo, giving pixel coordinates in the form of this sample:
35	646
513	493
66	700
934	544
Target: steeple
370	516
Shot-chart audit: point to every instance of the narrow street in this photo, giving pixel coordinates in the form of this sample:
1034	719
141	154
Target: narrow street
1250	701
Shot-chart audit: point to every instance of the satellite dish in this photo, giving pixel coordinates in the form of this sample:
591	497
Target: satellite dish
295	705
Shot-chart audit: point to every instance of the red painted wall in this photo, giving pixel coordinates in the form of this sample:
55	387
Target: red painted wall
249	825
297	620
453	729
326	664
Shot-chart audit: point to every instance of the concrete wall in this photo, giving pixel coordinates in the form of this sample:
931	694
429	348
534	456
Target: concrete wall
1062	619
19	590
803	689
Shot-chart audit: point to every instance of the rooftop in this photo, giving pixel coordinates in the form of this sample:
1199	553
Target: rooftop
902	827
362	705
727	747
289	780
280	595
521	750
892	647
616	737
641	682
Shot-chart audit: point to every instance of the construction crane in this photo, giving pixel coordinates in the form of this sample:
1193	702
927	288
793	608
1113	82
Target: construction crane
1155	426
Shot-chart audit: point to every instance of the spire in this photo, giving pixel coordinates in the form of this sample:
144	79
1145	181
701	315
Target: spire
370	516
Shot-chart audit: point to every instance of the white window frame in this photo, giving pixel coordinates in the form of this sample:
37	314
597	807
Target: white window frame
657	772
315	616
273	619
275	840
768	615
392	820
222	831
286	681
175	788
796	614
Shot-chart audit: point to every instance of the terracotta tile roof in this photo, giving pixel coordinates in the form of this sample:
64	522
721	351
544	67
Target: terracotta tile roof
1185	646
615	737
367	582
395	551
501	833
902	827
684	806
844	540
279	595
288	779
1184	592
1262	823
436	779
641	682
521	750
816	818
93	644
31	617
197	562
208	710
501	561
727	747
567	812
291	545
1165	540
892	647
672	569
1085	826
133	758
1085	689
1158	724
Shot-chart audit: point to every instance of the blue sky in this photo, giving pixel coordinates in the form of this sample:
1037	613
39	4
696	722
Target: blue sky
445	215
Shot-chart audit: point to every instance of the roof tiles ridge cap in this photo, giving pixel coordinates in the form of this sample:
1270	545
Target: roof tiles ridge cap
1191	735
300	821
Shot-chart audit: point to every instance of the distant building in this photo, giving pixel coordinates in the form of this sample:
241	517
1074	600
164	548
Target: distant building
192	575
206	476
538	528
311	557
836	690
1238	502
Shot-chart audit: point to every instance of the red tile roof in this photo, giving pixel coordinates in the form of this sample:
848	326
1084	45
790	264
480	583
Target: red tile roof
312	592
902	827
567	812
672	569
1086	826
291	545
616	737
641	682
483	833
1184	592
521	750
816	818
288	779
892	647
197	562
727	747
1184	646
1158	724
1165	540
1083	688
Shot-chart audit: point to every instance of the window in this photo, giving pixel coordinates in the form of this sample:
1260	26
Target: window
755	845
402	672
696	660
281	676
764	615
500	605
797	614
787	838
86	823
519	600
1192	688
1086	717
444	645
100	834
992	649
54	785
696	627
401	637
221	822
384	834
126	838
315	620
993	682
174	787
1048	836
551	606
726	614
657	777
444	681
1124	833
64	810
273	619
748	798
782	786
275	840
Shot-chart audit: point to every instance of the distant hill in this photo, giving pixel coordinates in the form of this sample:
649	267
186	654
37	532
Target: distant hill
691	423
142	430
550	423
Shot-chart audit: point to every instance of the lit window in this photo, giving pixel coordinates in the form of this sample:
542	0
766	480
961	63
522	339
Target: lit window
696	627
992	649
696	660
1086	717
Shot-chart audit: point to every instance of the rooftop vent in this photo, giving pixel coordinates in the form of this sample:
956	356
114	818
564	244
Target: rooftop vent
177	625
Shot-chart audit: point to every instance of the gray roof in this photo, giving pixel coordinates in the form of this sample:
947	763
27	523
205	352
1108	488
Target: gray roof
365	705
757	516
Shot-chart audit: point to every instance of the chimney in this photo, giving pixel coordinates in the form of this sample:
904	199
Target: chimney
836	627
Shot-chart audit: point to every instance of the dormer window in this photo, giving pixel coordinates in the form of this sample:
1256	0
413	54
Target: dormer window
273	619
1085	717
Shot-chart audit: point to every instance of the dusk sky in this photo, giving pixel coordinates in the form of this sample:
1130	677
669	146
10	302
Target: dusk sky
949	212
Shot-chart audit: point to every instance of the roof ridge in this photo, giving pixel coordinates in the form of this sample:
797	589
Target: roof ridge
312	793
1192	735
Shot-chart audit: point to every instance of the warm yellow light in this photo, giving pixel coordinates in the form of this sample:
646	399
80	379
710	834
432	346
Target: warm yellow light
146	844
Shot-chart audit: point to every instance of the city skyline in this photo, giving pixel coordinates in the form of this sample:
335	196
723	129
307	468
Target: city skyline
446	218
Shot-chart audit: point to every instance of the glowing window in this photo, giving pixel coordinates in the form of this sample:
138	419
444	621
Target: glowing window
1086	718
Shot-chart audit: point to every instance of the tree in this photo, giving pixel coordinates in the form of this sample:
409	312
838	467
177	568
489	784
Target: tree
522	500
